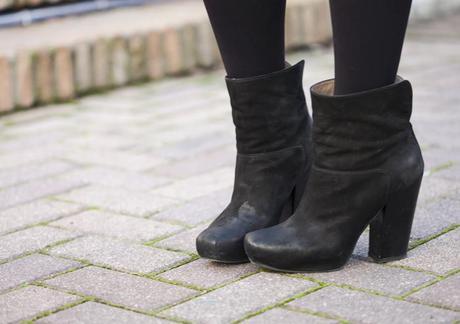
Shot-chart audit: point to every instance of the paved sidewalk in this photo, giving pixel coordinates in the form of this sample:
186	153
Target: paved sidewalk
101	200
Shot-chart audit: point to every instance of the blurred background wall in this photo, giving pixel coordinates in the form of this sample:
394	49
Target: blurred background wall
56	50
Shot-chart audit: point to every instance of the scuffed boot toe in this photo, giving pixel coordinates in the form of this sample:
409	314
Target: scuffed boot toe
217	245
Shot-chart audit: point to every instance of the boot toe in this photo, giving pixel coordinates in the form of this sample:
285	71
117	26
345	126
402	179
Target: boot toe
264	250
219	245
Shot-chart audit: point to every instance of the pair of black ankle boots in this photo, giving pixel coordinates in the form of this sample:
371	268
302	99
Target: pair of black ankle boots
304	192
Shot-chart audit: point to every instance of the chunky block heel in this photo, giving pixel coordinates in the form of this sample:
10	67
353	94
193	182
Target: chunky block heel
390	229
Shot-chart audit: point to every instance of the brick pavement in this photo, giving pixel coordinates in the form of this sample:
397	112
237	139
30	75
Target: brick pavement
101	199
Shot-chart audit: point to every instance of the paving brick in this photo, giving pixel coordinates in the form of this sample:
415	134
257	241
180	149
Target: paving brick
50	124
198	164
119	61
28	302
280	315
198	210
445	293
238	299
188	41
121	289
435	216
206	274
17	158
24	80
30	191
83	79
197	186
365	275
120	200
434	187
90	312
154	55
117	226
191	141
31	268
184	241
35	212
100	64
360	307
6	85
43	78
206	51
438	255
116	178
137	58
99	142
13	176
172	51
119	255
63	74
451	173
32	239
122	160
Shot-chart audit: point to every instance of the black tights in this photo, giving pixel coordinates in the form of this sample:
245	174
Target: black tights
368	36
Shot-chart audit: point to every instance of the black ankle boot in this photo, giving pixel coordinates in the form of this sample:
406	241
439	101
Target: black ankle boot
273	143
367	170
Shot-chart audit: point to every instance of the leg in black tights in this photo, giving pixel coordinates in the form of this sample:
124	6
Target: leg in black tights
250	35
368	39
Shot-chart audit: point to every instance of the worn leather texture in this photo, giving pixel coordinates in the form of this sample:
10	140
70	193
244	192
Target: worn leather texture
273	144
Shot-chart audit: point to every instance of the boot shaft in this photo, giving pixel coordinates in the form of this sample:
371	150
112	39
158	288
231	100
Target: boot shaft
269	111
360	130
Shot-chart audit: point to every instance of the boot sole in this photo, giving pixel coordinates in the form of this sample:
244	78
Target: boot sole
226	261
297	271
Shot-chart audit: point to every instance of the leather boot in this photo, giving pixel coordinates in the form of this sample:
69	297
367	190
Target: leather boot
367	171
273	144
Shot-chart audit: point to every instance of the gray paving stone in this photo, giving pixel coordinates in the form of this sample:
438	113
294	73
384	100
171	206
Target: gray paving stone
117	226
281	315
434	217
439	255
116	159
117	178
31	268
30	191
36	300
376	277
35	212
90	312
121	288
198	210
451	173
21	174
184	241
48	123
445	293
434	187
120	200
119	255
360	307
206	274
99	142
31	239
197	186
37	154
198	164
238	299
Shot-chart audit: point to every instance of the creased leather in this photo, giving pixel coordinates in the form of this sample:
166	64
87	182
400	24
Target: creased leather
365	152
273	143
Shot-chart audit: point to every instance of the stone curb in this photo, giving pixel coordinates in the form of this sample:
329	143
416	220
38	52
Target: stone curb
42	76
